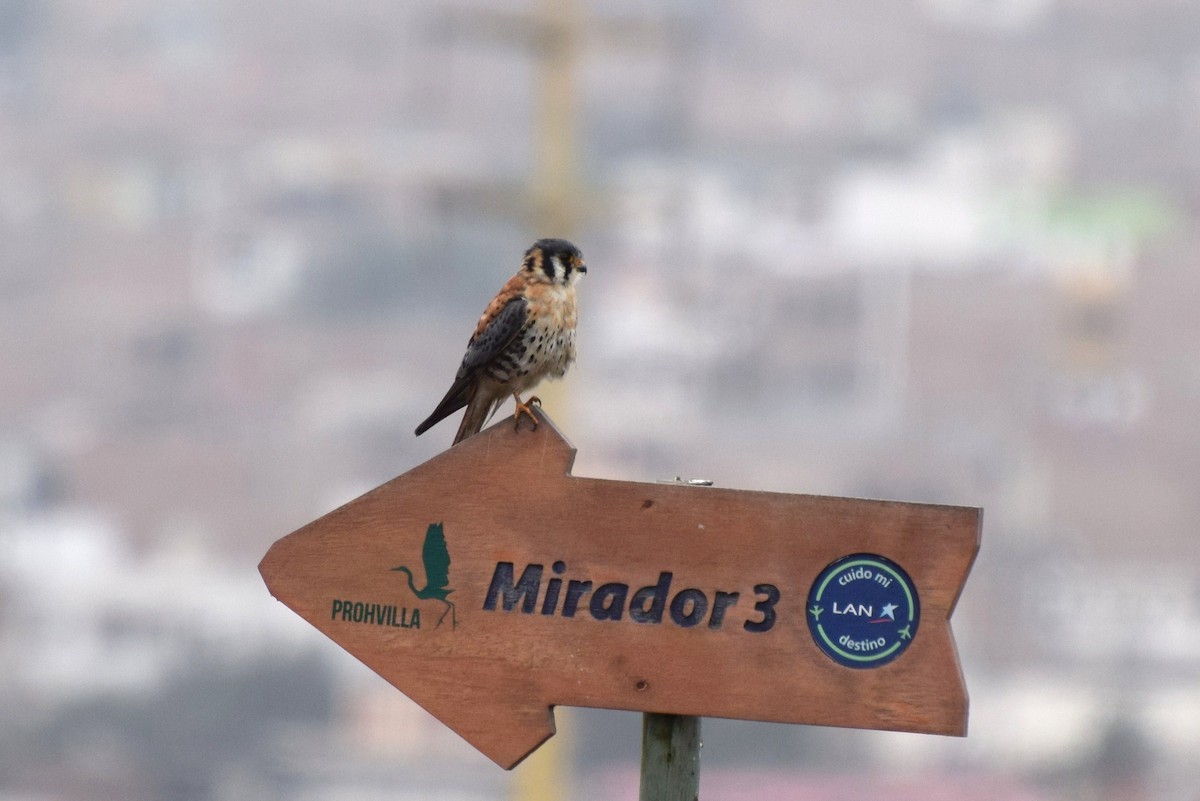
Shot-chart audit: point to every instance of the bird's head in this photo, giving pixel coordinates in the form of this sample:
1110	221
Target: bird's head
554	261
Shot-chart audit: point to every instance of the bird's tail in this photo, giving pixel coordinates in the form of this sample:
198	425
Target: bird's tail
449	405
478	412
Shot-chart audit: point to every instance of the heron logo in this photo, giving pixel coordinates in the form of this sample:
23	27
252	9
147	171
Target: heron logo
436	559
436	563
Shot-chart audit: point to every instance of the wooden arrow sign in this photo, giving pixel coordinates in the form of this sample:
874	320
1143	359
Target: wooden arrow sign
490	585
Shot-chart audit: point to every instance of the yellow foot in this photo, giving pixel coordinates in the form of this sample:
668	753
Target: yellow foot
526	409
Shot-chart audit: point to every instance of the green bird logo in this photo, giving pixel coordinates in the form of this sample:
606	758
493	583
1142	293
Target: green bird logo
437	572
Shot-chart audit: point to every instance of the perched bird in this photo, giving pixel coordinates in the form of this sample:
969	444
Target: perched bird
525	334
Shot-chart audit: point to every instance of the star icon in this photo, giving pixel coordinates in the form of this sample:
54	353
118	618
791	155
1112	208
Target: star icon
889	610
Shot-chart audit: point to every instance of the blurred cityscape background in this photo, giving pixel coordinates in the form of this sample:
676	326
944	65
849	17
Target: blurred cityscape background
929	250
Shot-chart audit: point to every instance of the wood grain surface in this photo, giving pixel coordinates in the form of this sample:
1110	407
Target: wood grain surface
493	674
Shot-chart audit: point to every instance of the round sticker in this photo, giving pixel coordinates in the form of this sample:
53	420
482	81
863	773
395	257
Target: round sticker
863	611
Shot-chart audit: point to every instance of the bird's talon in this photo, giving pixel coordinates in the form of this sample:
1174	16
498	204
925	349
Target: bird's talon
527	410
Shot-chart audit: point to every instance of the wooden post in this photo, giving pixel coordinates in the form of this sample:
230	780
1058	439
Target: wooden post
670	757
671	743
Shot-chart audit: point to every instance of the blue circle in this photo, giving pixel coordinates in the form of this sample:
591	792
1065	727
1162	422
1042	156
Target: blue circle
863	610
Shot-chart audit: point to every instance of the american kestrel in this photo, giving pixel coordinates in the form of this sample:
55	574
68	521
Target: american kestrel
525	334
